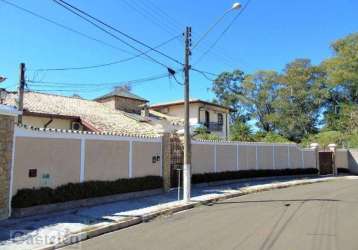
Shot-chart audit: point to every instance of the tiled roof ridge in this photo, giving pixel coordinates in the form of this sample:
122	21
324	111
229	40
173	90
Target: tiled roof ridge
245	142
58	95
68	131
85	100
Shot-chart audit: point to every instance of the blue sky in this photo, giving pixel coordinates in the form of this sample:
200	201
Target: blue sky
267	35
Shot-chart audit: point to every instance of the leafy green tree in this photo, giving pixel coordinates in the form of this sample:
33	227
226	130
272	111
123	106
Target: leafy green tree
326	137
240	131
228	92
344	118
342	69
259	90
342	77
301	93
250	95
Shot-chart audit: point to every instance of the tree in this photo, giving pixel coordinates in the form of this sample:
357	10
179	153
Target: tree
259	90
342	69
342	77
298	103
240	131
344	118
250	95
227	89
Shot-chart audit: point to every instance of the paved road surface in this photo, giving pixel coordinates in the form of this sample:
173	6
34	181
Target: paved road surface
311	217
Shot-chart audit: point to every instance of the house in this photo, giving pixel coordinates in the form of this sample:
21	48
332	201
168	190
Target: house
213	116
122	99
118	112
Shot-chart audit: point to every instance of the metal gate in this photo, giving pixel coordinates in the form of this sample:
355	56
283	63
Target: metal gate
177	159
326	162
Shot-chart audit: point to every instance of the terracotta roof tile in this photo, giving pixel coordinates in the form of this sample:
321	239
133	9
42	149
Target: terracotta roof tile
100	116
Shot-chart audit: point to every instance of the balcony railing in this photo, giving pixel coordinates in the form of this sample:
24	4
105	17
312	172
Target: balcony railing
214	126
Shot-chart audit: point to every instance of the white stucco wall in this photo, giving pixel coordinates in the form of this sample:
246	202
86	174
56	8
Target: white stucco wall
39	122
194	115
178	111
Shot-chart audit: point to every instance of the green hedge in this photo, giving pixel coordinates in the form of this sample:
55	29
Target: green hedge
343	170
232	175
76	191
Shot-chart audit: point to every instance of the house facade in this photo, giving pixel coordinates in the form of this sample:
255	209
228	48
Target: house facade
119	111
106	114
213	116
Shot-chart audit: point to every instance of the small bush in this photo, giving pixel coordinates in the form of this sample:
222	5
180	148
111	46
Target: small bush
343	170
232	175
76	191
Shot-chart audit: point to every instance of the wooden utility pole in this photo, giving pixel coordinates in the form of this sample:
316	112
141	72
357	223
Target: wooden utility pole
21	91
187	137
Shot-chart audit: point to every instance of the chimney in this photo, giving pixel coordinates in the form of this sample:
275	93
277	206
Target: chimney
144	111
3	94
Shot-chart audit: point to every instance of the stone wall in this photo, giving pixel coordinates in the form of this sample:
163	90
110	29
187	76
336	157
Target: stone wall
166	155
6	141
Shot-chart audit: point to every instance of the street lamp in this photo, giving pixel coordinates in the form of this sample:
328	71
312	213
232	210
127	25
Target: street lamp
235	6
2	93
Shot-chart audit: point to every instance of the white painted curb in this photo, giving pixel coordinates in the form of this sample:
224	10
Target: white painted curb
205	199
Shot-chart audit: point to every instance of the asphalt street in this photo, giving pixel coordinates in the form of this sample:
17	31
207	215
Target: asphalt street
309	217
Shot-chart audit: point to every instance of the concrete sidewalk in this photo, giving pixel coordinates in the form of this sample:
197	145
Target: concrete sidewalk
59	229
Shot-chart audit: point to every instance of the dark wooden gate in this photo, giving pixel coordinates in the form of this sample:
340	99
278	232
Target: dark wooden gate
326	162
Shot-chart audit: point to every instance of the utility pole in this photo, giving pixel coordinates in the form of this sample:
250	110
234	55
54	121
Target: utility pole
187	137
21	91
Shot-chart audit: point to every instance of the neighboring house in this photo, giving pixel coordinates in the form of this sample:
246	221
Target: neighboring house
122	99
213	116
108	114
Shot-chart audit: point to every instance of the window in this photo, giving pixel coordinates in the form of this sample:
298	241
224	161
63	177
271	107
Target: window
32	173
220	119
207	118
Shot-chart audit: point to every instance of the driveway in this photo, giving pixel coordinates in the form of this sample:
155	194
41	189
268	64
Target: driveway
316	216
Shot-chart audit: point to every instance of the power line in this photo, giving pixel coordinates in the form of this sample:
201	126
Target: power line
111	34
171	23
203	71
98	84
106	64
224	31
65	27
205	74
75	11
210	29
158	11
146	11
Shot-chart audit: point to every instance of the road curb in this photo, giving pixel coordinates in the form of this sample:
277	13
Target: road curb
114	226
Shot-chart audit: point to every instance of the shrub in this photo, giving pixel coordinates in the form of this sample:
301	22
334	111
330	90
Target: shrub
274	138
343	170
76	191
232	175
207	136
326	137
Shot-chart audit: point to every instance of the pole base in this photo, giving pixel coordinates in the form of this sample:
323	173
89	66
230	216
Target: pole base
186	183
